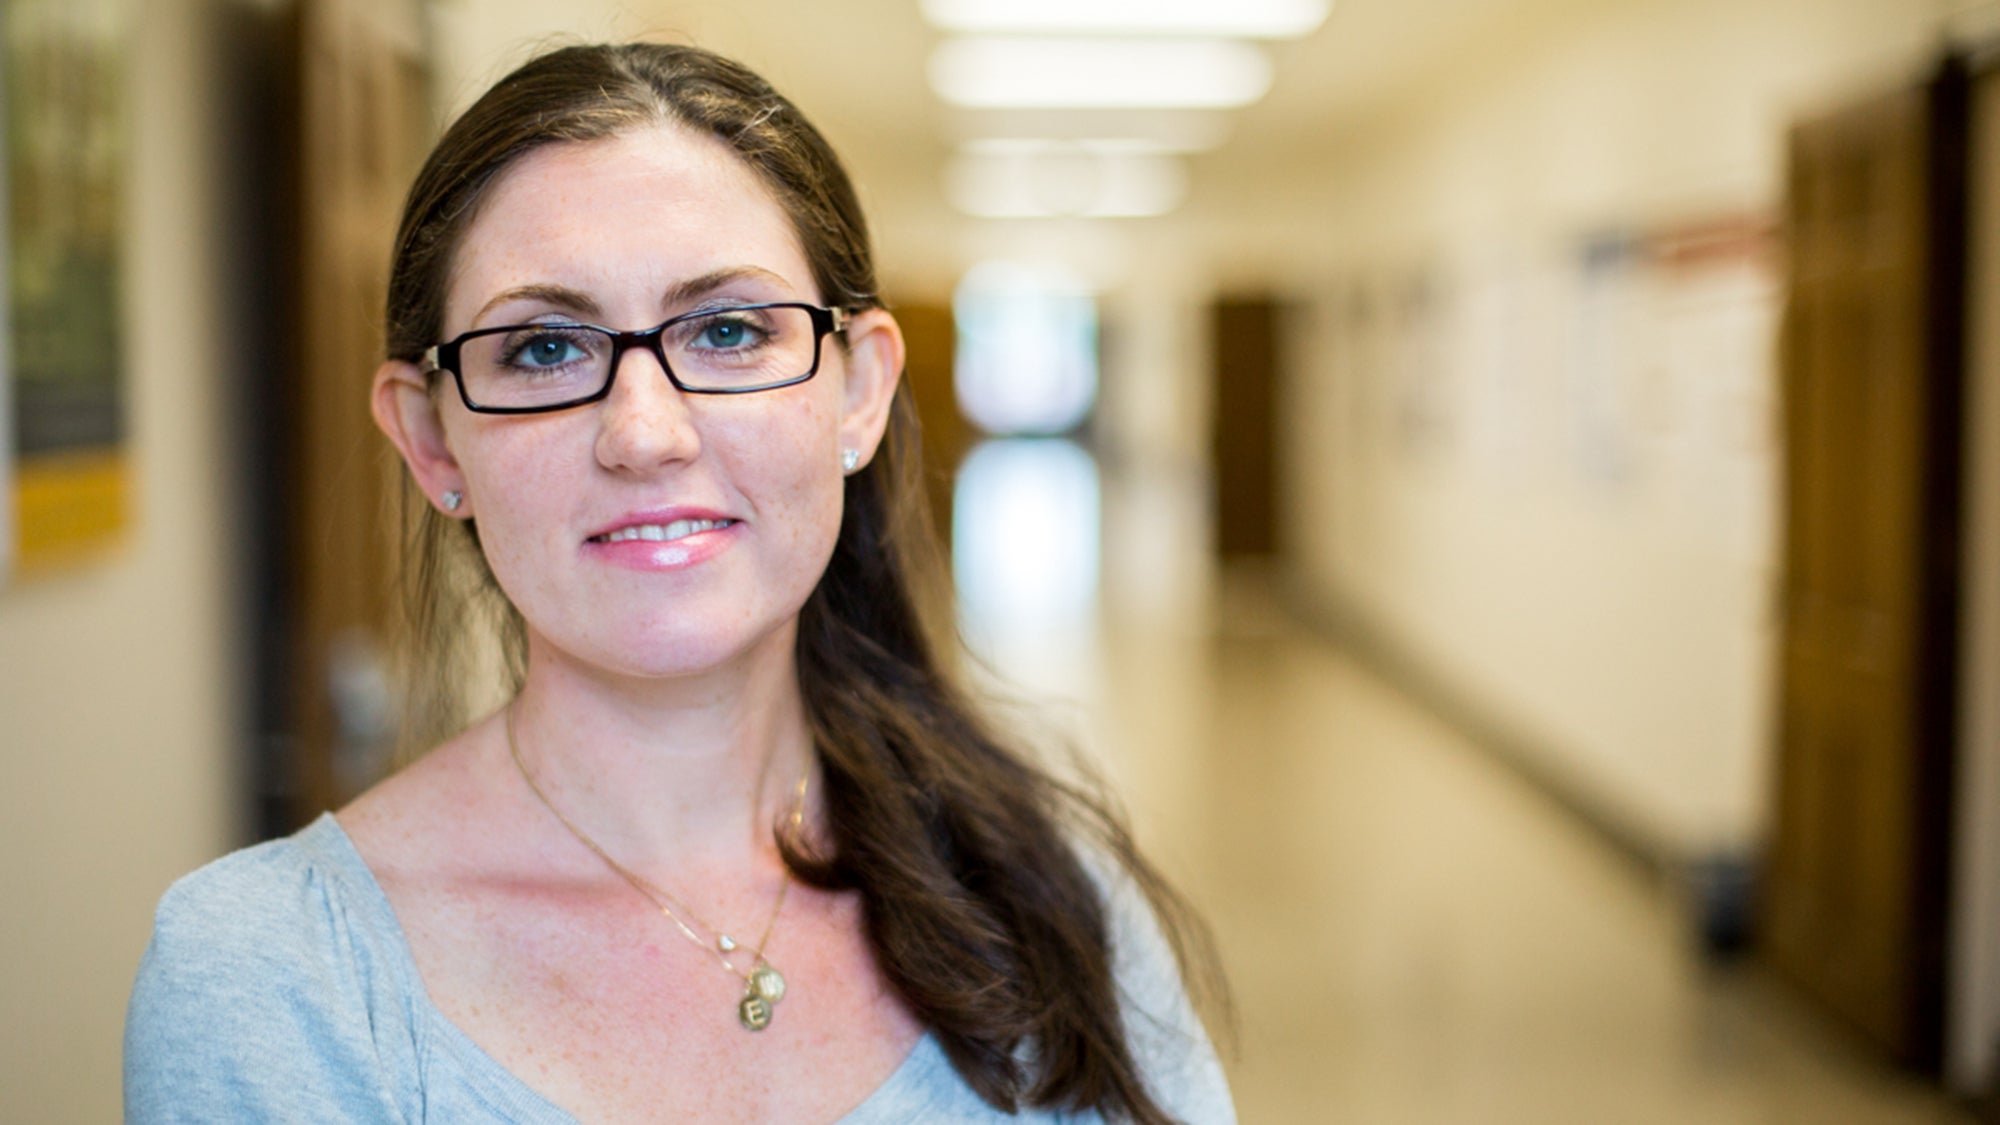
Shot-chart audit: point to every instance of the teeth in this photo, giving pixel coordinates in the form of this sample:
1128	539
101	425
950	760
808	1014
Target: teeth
656	533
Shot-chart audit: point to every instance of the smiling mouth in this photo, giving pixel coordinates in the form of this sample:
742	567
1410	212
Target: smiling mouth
660	533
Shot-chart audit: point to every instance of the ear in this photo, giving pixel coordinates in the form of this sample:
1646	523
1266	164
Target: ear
874	366
407	413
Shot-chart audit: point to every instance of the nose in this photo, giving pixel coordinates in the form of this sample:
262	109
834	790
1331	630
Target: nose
645	421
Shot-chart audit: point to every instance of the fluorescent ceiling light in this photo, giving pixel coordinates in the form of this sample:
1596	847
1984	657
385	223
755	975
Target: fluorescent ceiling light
1103	73
1260	19
1049	179
1047	146
1173	130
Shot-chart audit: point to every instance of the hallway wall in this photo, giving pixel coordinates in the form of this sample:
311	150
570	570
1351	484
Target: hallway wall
1489	235
1605	602
117	713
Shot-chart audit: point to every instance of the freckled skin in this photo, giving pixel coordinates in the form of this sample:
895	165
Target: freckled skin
624	220
524	940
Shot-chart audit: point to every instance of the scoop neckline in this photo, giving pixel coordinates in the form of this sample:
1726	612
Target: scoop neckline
493	1077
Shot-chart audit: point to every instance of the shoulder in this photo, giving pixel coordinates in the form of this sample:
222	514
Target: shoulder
1164	1032
246	895
288	909
230	925
1143	960
264	989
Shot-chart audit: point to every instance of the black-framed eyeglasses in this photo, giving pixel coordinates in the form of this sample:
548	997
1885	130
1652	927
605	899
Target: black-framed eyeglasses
554	365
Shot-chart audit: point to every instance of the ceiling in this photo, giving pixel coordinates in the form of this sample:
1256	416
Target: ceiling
857	68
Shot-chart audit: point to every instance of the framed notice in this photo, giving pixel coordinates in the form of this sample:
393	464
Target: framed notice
63	67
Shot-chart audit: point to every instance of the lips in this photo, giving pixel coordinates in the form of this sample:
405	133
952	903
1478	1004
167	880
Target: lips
661	532
663	539
661	525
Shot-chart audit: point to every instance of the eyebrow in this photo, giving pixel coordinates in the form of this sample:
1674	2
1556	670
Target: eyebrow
695	287
561	296
581	303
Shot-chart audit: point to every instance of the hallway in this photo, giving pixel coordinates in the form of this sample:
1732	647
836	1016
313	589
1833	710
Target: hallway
1411	931
1522	269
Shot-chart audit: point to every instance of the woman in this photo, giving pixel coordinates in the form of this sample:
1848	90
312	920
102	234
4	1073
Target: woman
737	848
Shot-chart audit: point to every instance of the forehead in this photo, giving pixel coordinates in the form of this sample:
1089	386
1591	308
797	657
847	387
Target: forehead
622	218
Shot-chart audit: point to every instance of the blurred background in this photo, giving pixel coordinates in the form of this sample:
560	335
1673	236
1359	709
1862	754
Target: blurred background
1509	490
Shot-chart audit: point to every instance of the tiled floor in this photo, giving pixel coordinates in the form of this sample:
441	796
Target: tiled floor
1414	935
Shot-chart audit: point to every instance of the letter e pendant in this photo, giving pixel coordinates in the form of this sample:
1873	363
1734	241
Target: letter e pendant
754	1011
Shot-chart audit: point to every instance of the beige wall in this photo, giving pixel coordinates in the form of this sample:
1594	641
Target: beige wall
116	705
1619	626
1623	633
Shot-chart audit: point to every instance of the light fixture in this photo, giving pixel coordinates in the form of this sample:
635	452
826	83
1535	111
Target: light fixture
1025	359
1026	543
1258	19
1010	72
1048	146
1167	130
1037	179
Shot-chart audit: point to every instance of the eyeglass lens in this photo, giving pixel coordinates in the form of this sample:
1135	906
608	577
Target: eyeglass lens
735	349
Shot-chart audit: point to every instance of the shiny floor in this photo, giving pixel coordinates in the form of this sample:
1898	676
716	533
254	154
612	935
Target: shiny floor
1416	936
1413	933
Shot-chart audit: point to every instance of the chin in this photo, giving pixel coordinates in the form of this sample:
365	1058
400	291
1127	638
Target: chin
674	651
679	663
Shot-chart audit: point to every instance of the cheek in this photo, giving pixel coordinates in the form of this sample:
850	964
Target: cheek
791	442
512	478
793	458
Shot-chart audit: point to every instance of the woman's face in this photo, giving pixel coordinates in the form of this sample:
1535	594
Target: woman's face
655	533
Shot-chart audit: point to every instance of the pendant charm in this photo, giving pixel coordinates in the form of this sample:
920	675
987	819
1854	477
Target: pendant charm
725	943
768	983
754	1011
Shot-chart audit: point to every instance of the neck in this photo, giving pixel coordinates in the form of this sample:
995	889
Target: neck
683	774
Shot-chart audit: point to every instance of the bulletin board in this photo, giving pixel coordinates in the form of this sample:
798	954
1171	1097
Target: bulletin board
69	496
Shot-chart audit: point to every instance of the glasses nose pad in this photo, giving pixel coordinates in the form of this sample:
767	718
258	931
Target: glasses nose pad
641	387
647	342
647	422
651	342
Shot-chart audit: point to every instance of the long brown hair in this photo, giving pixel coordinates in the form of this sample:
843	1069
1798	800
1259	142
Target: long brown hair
981	915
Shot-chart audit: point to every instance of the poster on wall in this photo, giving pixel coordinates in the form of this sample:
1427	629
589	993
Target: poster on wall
63	72
7	524
1609	365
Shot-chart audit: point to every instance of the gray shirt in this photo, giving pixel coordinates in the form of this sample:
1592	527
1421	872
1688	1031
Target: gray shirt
279	987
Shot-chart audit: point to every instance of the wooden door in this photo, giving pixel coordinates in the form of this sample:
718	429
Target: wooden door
363	124
1857	870
929	335
1245	347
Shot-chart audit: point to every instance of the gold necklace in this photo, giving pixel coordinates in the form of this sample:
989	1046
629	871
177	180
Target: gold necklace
763	985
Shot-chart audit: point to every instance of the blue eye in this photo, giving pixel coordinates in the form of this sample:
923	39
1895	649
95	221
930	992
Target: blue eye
547	349
726	330
726	333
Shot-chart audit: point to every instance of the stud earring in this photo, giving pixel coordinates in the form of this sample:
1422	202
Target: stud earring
452	499
850	460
